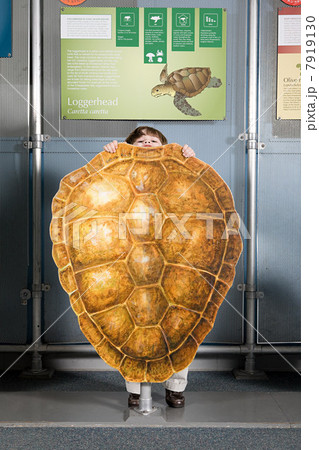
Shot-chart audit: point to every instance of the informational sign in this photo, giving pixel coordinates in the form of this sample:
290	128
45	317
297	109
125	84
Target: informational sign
5	29
143	63
289	64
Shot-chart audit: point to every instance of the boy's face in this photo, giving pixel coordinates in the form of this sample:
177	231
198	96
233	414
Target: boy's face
147	141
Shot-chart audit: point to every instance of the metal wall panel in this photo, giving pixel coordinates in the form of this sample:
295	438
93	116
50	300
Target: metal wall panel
278	201
14	178
279	247
14	230
14	73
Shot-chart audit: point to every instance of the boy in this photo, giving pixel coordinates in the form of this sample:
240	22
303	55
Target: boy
176	384
147	137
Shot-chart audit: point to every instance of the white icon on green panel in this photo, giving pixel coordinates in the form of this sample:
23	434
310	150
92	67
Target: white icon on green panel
150	57
155	20
127	20
183	20
159	55
210	20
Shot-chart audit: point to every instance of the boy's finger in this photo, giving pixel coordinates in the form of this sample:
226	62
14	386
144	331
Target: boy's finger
188	151
114	146
108	148
111	147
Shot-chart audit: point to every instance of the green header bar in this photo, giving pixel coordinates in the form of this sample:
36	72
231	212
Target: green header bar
155	35
127	27
210	27
183	29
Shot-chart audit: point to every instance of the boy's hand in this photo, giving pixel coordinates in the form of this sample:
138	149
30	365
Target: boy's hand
111	147
187	151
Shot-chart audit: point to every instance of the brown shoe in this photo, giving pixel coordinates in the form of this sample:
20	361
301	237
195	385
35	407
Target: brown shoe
175	399
133	400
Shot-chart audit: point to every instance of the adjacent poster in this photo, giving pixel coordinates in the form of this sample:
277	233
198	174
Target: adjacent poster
143	63
289	64
5	29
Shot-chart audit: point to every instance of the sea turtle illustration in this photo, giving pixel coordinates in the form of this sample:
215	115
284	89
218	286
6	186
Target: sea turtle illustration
183	83
147	300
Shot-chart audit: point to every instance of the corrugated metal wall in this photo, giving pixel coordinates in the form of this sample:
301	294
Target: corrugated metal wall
216	143
278	200
14	176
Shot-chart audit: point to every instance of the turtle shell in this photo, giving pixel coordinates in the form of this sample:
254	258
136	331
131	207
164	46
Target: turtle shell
146	242
190	81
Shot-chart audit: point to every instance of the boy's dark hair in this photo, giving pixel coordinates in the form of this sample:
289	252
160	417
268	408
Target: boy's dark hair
141	131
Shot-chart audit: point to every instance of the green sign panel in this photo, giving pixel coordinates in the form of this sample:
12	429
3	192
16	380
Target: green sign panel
210	27
127	27
183	29
143	63
155	35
